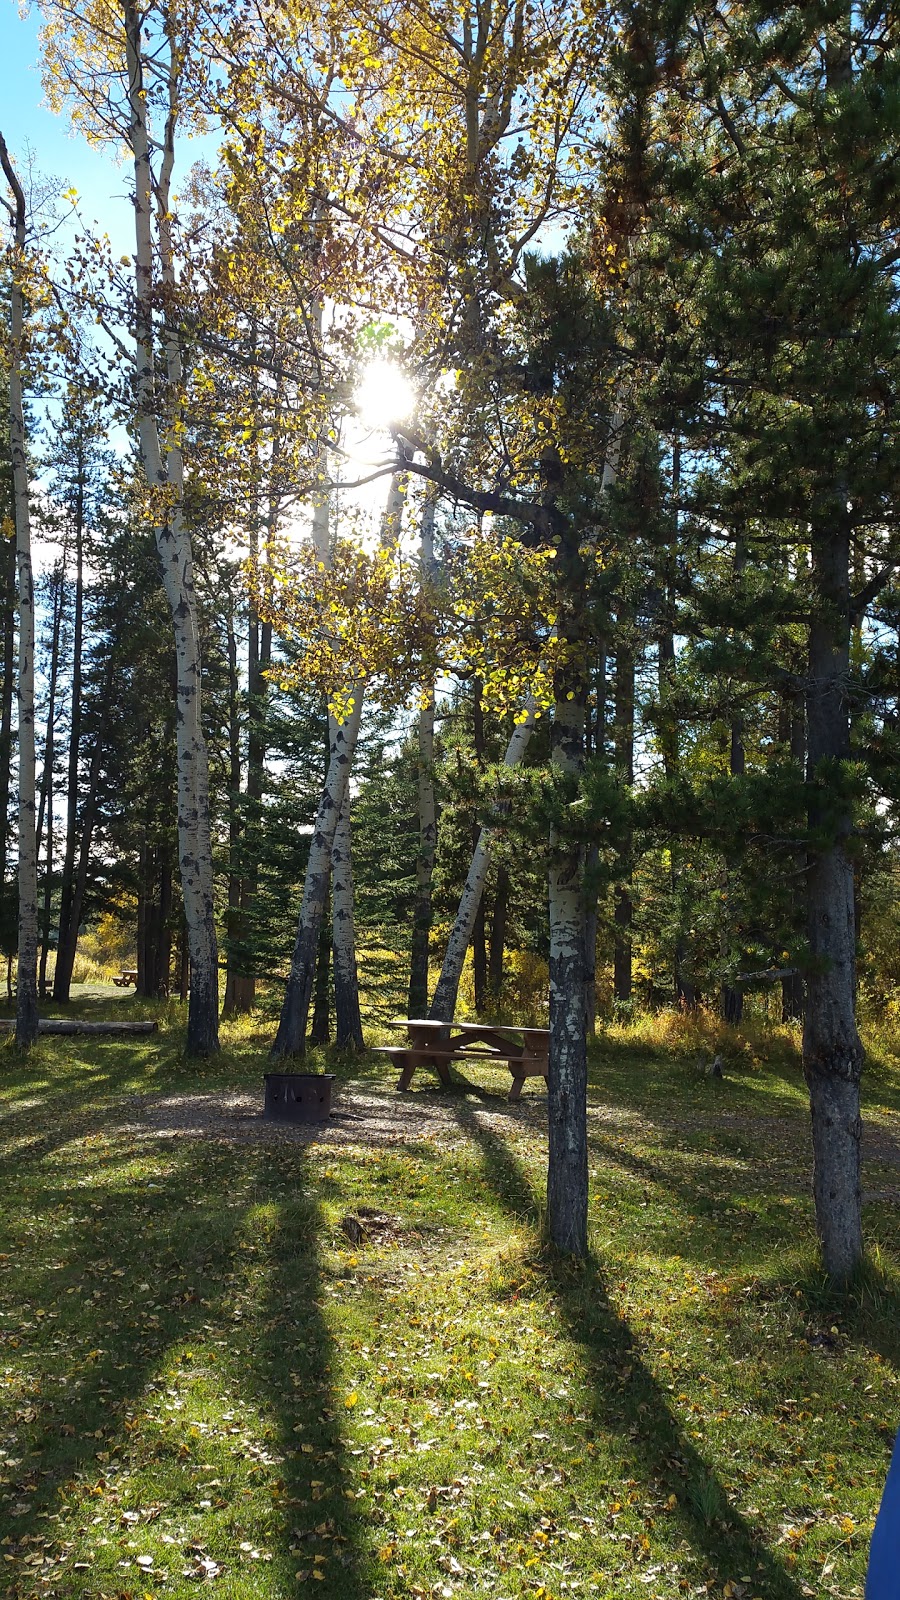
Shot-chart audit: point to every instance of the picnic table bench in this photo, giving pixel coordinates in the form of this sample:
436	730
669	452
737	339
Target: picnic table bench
435	1044
126	976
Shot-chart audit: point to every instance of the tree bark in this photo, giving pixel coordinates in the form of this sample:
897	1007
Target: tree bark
348	1021
291	1036
624	753
165	478
235	914
422	911
66	932
832	1051
45	807
732	998
26	994
567	1168
66	949
597	748
320	1032
793	990
6	697
443	1004
479	941
498	933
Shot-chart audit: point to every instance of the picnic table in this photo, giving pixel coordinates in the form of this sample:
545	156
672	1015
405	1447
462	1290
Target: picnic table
127	976
435	1044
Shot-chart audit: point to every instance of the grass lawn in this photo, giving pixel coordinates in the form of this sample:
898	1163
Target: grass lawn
204	1382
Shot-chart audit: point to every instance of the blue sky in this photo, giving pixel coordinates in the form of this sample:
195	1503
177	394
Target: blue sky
26	121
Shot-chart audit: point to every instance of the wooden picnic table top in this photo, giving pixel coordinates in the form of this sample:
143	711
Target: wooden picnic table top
468	1027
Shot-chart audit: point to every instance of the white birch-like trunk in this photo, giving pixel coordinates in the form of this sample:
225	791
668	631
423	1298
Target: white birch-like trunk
290	1039
26	995
348	1020
443	1004
421	931
165	478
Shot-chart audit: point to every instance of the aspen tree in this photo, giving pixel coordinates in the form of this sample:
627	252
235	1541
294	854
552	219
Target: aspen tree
97	59
26	995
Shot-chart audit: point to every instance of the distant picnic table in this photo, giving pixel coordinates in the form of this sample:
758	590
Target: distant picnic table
435	1044
126	976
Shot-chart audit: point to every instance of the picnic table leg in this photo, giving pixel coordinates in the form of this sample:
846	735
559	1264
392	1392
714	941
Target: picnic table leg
443	1072
406	1074
518	1083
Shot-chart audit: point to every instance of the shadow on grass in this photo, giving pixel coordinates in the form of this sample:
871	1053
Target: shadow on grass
142	1274
628	1401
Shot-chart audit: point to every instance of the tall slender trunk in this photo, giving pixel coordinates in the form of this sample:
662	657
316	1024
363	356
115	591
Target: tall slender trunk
68	940
793	989
595	744
443	1004
422	912
567	1163
732	998
320	1031
45	808
60	983
832	1052
291	1036
348	1021
479	941
165	478
26	998
624	753
235	913
6	693
497	945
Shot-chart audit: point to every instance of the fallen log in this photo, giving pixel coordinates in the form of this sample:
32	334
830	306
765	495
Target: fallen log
73	1025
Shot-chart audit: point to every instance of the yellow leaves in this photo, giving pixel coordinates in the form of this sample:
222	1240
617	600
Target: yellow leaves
351	1400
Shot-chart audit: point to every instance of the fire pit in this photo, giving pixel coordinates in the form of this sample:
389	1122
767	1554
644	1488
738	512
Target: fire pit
298	1096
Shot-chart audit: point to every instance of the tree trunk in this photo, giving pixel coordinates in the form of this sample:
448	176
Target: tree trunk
6	695
733	999
165	478
45	809
443	1004
624	753
792	987
66	949
235	920
498	933
26	995
832	1052
479	942
349	1034
597	748
567	1169
291	1036
184	966
422	913
320	1032
66	932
